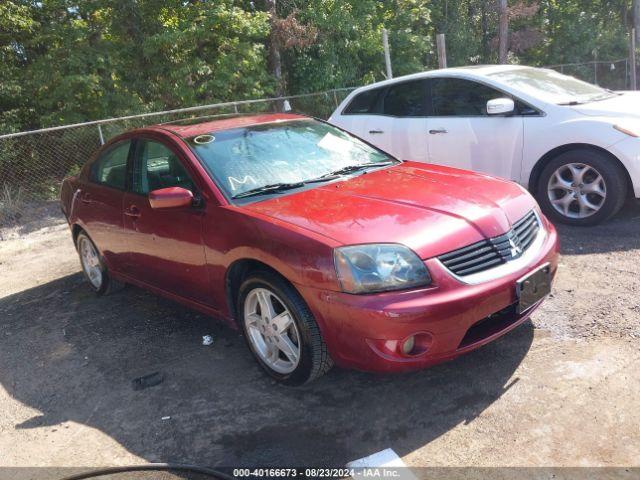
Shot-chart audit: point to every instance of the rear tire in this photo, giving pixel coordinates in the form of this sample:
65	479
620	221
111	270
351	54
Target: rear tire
94	268
581	187
290	349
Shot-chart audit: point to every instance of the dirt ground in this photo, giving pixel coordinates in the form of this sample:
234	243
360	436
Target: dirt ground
561	390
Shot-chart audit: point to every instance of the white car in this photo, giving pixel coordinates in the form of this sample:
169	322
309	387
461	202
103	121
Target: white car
573	144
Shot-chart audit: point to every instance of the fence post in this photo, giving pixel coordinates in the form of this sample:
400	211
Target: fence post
632	58
100	133
335	98
595	73
387	55
442	50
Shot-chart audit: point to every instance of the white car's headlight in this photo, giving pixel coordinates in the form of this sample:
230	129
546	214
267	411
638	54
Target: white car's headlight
633	130
379	267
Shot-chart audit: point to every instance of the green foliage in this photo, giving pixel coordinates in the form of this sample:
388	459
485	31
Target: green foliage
66	61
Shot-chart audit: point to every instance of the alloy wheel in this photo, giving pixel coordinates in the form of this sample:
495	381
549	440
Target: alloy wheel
577	190
90	262
272	331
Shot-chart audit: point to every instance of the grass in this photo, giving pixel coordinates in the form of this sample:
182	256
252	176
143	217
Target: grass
11	204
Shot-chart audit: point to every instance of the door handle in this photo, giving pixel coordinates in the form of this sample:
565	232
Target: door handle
439	130
85	198
376	131
132	211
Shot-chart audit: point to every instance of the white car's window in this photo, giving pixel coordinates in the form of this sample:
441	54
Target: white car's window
243	159
551	86
364	102
406	99
455	97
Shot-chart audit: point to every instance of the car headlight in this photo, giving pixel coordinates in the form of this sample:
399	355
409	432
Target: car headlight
379	267
628	129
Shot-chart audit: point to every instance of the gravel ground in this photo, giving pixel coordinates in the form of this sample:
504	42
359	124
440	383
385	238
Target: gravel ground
561	390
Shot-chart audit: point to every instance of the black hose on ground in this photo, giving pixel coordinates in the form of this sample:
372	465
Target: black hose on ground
150	467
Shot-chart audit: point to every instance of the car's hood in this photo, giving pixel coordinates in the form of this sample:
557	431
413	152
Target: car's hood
431	209
625	105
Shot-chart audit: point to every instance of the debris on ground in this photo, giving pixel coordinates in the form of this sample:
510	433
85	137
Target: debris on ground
146	381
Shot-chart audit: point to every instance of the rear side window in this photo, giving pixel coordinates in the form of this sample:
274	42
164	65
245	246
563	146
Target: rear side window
407	99
156	167
454	97
111	167
363	103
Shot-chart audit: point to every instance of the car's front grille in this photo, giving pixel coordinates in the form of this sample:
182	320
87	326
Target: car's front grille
486	254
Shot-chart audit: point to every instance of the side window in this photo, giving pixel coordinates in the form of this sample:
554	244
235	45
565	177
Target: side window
407	99
363	103
454	97
111	167
156	167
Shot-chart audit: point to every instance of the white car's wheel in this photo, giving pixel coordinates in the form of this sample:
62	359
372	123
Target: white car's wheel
581	187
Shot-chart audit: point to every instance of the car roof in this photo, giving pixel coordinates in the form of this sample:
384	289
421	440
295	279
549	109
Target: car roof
467	72
198	126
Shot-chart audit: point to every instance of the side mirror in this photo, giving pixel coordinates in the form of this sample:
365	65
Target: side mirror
172	197
500	106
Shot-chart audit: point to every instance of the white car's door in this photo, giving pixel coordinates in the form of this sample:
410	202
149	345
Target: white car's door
462	134
392	118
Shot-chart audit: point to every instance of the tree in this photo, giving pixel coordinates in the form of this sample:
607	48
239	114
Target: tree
503	31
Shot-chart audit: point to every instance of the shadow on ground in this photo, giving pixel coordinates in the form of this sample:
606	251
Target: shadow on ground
73	356
620	233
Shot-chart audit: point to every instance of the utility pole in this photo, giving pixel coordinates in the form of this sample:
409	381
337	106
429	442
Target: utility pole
442	50
387	54
632	59
636	19
503	32
275	61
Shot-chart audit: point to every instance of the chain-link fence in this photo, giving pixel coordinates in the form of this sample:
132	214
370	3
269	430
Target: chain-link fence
613	74
32	164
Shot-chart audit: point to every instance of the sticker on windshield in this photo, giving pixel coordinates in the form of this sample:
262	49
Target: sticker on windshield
233	182
335	144
204	139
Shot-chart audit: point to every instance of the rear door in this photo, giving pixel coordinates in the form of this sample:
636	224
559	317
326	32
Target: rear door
463	135
100	200
165	245
392	118
404	108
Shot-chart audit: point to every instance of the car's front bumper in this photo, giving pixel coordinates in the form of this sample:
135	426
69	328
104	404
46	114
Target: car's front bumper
366	331
628	152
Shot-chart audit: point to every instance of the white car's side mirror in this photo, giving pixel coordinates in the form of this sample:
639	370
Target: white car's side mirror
500	106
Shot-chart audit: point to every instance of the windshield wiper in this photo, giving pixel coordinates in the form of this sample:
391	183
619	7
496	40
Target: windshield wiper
571	103
352	168
279	187
272	188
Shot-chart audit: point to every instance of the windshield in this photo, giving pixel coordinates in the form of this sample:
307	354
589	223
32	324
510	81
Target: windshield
551	86
291	152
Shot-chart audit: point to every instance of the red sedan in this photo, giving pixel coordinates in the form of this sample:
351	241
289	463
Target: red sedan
318	246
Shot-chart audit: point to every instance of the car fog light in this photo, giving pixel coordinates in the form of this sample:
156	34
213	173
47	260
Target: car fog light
408	345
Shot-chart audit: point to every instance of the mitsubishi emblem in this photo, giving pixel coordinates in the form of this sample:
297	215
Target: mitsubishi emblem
515	249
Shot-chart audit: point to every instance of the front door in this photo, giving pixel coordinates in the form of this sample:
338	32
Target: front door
165	245
461	134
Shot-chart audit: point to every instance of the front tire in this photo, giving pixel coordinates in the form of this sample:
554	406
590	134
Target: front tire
93	267
280	330
581	187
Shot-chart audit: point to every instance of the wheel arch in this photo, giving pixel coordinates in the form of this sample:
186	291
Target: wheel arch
75	231
551	154
237	272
